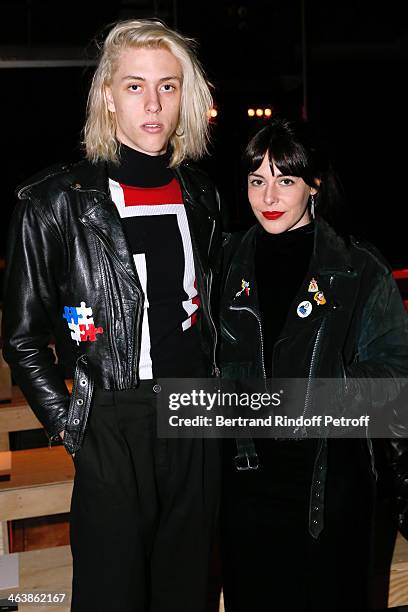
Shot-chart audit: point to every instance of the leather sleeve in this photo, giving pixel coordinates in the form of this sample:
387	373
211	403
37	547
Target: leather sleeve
377	380
382	345
34	261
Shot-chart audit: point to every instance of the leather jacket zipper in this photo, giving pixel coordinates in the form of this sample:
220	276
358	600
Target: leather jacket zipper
315	354
207	311
216	369
258	318
188	200
101	237
273	353
106	246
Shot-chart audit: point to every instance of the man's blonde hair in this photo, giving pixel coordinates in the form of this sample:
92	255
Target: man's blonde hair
191	137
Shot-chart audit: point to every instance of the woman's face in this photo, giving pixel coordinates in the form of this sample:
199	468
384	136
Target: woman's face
278	202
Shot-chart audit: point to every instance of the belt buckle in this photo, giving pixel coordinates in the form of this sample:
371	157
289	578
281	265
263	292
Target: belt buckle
246	462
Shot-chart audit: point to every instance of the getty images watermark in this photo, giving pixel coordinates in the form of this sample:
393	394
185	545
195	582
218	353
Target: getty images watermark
289	408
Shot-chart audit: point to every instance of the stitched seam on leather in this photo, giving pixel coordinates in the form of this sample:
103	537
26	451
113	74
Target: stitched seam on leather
37	209
101	266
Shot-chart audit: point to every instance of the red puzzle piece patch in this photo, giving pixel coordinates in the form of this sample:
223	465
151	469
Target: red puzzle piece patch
89	332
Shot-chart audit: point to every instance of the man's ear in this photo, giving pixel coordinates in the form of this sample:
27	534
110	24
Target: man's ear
109	99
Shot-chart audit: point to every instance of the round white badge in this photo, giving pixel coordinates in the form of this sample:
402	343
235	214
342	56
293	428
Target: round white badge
304	309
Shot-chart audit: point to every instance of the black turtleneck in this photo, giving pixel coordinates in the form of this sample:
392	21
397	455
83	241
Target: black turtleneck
137	169
281	264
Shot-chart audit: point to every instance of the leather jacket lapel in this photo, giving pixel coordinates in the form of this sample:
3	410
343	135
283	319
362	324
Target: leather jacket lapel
104	221
201	222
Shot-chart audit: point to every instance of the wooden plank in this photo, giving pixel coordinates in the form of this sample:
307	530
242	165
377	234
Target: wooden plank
38	466
45	571
41	483
17	416
4	441
4	540
398	593
35	501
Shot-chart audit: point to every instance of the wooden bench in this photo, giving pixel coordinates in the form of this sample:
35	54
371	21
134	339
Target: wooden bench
44	571
15	415
41	483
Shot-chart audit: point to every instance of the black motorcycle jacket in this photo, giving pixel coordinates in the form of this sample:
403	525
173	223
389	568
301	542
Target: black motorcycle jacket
66	246
360	333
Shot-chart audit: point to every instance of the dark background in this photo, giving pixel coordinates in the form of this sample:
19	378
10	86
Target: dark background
255	53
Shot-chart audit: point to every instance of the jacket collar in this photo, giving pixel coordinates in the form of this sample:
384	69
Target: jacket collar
330	253
330	258
88	176
102	216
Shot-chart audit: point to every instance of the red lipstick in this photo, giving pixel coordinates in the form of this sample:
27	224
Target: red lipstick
272	215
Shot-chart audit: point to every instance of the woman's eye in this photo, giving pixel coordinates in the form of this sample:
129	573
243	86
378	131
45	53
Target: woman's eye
255	182
287	181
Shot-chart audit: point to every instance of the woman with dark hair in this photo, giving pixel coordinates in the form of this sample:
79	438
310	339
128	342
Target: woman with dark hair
297	514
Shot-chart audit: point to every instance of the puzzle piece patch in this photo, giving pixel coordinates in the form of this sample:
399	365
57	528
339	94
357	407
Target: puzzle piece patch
75	332
71	314
85	314
89	332
81	323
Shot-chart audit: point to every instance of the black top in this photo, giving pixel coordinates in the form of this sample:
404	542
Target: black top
141	170
150	203
281	264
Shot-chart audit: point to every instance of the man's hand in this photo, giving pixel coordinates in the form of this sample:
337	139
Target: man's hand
62	433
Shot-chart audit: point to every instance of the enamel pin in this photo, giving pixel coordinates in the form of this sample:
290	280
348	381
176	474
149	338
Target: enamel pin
313	287
244	287
319	297
304	309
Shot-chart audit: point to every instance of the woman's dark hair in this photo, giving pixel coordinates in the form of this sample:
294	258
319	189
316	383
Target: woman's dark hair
298	151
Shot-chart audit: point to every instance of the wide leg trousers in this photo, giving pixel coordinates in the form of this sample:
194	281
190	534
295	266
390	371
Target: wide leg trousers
143	511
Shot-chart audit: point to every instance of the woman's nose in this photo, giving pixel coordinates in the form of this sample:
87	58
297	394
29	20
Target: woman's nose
270	195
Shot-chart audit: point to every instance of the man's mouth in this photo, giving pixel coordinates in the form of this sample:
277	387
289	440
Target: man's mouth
152	127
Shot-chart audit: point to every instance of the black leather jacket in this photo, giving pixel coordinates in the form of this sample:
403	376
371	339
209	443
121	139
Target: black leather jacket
67	246
360	333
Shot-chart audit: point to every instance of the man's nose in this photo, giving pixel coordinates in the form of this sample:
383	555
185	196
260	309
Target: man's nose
152	104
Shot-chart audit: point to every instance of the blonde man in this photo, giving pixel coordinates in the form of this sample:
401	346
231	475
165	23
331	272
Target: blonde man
114	258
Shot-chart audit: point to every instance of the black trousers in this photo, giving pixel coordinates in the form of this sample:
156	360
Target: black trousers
143	511
270	561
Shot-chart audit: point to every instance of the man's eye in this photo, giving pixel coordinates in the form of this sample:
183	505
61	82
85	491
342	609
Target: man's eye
167	87
134	87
